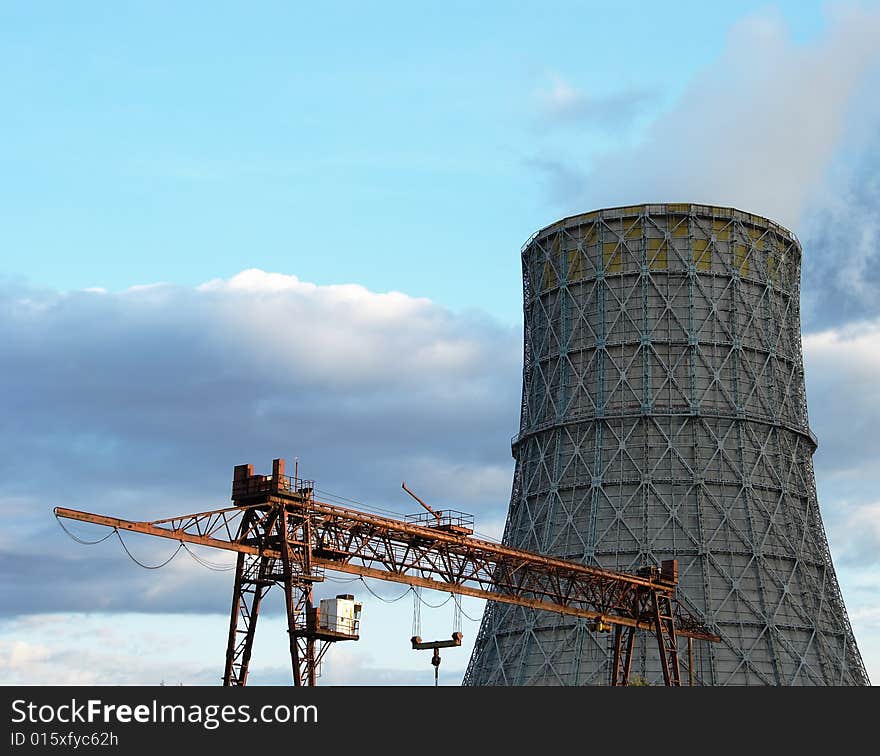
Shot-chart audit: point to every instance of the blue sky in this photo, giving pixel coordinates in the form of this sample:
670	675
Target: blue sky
388	144
333	199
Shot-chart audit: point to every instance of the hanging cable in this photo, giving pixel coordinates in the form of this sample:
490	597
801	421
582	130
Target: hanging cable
381	598
467	616
80	540
456	614
417	612
205	563
341	580
436	606
141	564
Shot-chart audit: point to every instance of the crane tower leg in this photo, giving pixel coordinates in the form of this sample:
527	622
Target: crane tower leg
664	627
623	653
297	580
251	584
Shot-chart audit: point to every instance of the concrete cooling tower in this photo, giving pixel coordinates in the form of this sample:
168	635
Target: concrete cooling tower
664	415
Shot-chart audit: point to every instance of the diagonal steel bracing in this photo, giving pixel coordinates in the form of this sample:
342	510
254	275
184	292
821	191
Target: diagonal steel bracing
664	415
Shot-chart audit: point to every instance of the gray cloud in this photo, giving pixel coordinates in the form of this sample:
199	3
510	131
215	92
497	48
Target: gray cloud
139	403
71	578
844	399
562	180
841	239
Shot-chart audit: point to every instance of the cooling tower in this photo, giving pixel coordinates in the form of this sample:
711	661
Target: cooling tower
664	415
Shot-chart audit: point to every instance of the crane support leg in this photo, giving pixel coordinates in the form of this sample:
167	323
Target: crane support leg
311	658
251	584
664	628
297	579
623	653
615	659
297	604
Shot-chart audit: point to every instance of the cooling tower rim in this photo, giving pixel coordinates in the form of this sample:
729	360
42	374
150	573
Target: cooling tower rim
664	208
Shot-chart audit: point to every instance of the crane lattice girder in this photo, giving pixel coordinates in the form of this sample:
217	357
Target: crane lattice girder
359	543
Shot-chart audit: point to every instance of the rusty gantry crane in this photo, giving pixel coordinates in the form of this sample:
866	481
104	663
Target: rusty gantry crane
284	536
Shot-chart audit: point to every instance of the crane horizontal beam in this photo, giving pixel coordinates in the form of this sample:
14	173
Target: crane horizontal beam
358	543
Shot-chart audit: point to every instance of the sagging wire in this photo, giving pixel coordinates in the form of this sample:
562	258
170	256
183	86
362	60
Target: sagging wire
125	548
205	563
437	606
141	564
467	616
341	580
201	560
80	540
382	598
459	612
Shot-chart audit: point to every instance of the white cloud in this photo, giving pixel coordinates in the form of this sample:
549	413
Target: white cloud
150	648
142	401
868	616
350	666
841	237
757	130
561	103
94	649
841	367
856	535
19	655
561	98
342	334
854	347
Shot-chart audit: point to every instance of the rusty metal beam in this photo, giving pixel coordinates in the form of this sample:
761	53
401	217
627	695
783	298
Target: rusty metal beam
150	529
492	554
396	528
517	600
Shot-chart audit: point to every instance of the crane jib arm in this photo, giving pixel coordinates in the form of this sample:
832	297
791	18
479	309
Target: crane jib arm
358	543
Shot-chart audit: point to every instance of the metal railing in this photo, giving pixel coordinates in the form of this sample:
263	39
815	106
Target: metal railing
264	484
444	517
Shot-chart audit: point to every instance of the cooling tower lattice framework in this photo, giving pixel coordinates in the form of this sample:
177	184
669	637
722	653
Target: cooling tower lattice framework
664	414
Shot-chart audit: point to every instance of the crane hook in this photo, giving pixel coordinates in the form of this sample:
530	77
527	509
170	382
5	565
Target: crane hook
435	660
